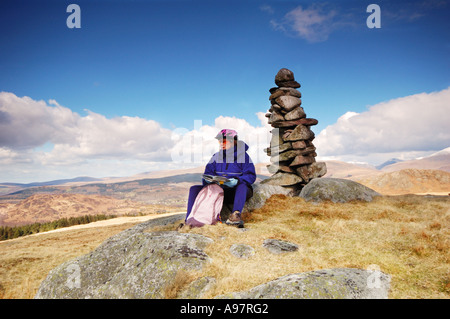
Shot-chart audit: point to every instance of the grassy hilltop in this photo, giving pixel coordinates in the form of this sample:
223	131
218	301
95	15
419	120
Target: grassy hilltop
404	236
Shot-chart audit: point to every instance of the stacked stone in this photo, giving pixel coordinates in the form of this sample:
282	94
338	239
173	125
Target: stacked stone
292	153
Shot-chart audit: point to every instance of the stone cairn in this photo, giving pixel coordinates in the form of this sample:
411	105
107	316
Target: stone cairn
292	153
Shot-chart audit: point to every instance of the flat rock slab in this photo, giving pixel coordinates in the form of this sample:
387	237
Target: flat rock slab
282	179
242	251
276	246
338	283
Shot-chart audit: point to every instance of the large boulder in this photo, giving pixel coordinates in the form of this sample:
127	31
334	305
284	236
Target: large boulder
338	283
134	264
336	190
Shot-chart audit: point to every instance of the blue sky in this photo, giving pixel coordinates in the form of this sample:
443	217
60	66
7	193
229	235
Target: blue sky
169	63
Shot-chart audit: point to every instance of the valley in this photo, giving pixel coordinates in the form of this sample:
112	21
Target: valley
167	191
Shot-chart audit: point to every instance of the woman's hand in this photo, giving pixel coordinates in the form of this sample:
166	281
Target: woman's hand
231	182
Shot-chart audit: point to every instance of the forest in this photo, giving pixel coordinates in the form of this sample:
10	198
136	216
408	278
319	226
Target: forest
7	232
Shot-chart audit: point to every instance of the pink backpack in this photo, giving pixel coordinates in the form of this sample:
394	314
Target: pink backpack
207	206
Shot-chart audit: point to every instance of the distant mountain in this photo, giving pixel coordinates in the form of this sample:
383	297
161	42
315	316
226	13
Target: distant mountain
154	175
439	161
388	162
9	188
171	190
171	186
338	169
261	171
55	182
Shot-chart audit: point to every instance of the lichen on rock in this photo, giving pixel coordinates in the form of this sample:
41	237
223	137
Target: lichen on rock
338	283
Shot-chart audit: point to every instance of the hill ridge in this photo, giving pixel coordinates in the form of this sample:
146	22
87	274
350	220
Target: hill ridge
409	181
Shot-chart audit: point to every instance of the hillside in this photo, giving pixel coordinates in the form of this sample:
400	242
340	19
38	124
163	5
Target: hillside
399	181
260	168
41	208
48	203
170	189
409	181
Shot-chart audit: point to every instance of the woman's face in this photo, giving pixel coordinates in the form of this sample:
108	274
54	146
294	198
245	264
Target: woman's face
225	144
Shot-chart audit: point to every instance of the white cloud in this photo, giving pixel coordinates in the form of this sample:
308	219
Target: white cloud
50	141
40	141
409	125
26	124
267	8
98	136
313	24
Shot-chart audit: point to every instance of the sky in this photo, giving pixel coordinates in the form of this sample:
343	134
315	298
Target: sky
146	85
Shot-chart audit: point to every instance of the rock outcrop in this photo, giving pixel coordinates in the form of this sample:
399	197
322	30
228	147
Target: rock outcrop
291	149
336	190
132	264
338	283
141	263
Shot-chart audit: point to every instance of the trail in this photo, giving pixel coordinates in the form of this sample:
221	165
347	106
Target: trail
101	223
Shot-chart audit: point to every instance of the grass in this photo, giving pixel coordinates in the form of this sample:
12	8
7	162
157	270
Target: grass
404	236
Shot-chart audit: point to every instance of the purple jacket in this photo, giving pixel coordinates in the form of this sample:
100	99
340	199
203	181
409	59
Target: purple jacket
234	162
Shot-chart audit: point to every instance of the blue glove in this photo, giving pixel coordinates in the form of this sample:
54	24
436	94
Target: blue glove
231	182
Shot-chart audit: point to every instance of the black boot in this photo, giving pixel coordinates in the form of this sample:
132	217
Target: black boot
235	220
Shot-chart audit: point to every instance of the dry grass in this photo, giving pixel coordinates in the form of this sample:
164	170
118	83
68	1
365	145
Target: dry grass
405	236
25	262
181	280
